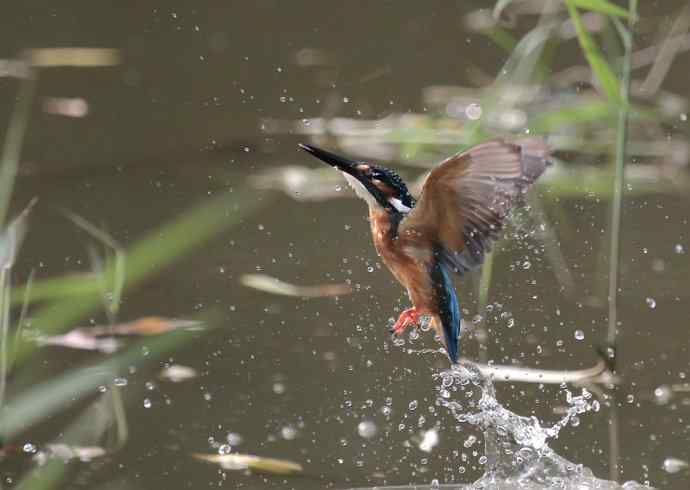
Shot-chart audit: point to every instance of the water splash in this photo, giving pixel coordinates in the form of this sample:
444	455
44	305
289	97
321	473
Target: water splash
516	447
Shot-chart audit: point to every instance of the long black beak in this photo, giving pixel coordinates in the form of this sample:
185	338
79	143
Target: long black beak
341	163
352	168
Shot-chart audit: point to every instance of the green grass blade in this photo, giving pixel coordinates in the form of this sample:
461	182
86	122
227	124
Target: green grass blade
149	255
41	401
582	112
14	139
601	69
602	6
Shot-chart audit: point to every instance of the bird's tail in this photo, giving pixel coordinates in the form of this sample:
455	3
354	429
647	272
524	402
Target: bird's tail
535	157
447	321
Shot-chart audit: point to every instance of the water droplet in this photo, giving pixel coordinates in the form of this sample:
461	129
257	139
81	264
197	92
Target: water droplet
234	439
147	403
367	429
29	448
469	442
289	432
674	465
630	398
482	460
370	269
429	440
663	394
224	449
434	485
346	100
338	188
412	406
120	381
651	302
679	249
579	335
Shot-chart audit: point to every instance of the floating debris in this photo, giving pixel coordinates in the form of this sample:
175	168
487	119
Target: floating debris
66	106
68	453
236	461
598	373
148	325
100	337
268	284
80	339
177	373
92	57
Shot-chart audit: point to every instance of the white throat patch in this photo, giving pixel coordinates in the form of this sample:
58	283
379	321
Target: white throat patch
360	190
397	204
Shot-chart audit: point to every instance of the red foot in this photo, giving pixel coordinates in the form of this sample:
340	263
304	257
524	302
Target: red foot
407	318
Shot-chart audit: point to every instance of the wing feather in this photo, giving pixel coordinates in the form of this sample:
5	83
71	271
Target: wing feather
466	198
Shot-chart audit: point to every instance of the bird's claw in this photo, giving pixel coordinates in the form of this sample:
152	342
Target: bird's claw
407	318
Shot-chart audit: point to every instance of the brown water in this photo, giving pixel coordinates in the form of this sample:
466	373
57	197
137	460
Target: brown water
180	119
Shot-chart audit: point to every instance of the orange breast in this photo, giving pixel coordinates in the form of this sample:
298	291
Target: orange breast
408	258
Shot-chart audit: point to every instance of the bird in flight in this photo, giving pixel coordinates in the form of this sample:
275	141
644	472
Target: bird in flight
462	207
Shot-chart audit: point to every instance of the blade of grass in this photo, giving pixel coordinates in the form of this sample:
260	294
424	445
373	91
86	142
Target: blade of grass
50	474
601	69
113	294
616	208
40	401
10	243
668	51
499	7
619	179
484	287
150	254
603	7
14	139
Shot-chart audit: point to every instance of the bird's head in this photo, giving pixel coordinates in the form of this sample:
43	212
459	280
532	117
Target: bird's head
378	186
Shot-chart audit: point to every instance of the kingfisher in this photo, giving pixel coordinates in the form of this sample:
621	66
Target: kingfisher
463	204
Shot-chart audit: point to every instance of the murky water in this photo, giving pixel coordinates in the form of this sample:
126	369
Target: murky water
318	381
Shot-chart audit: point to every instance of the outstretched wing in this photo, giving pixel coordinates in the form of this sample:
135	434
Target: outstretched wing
466	198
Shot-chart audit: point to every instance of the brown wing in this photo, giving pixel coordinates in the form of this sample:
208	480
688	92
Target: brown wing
466	198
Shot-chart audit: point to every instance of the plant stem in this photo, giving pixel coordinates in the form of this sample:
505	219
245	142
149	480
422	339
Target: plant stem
484	286
616	206
619	179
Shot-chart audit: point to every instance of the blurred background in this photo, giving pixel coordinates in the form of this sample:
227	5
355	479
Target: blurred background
172	195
